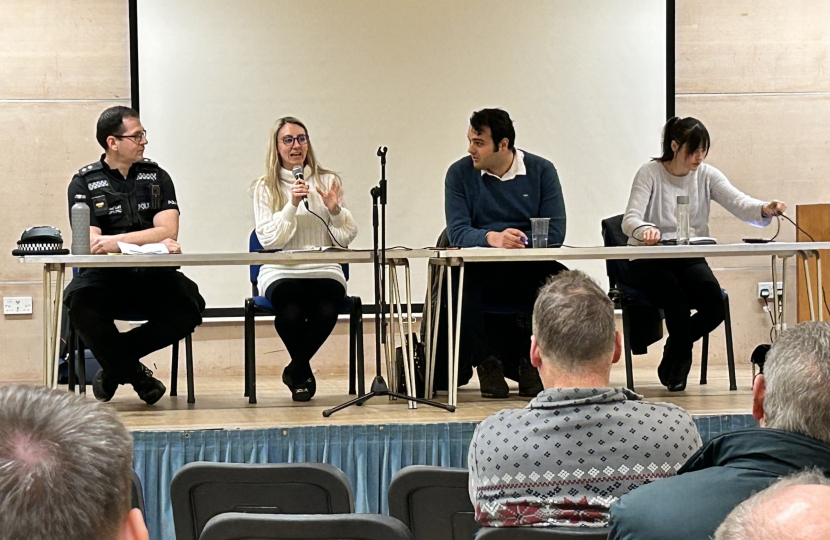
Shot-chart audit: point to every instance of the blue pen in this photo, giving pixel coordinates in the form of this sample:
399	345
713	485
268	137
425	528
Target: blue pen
524	240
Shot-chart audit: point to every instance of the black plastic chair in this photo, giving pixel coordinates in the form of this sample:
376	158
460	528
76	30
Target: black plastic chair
434	502
259	305
137	494
337	527
76	357
203	490
648	318
543	533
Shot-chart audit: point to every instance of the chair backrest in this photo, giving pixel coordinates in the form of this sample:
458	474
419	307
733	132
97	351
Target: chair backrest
542	533
613	236
138	494
202	490
434	502
443	239
253	271
281	527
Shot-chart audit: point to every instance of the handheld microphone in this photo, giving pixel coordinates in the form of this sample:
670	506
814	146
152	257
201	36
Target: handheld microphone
297	171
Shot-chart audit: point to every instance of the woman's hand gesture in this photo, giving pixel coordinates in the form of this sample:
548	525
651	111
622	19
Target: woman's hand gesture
331	198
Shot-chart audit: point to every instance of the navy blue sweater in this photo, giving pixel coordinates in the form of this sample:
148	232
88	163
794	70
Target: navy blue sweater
475	205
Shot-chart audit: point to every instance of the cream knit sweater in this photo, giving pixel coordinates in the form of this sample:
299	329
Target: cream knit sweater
293	227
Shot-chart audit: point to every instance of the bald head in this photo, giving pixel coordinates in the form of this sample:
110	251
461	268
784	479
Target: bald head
794	508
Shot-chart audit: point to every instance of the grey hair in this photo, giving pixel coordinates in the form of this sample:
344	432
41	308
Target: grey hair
64	466
573	321
797	377
747	521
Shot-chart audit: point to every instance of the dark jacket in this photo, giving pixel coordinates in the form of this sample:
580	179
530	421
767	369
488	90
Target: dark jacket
725	472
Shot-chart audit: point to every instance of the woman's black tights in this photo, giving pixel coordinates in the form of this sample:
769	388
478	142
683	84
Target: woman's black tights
306	312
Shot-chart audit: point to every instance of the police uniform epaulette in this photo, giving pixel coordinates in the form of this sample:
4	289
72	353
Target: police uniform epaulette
97	166
147	161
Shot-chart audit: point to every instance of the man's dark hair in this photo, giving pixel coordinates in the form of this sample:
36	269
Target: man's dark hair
111	122
500	124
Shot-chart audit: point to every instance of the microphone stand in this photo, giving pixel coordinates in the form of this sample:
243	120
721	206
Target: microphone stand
379	387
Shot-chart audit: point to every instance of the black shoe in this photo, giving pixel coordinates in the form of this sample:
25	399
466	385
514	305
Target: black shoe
148	388
679	374
530	384
491	379
301	391
664	369
103	388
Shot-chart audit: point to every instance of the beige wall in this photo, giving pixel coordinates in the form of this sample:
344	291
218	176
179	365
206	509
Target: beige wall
756	72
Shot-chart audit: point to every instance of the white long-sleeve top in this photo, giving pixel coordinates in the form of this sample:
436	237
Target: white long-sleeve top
653	201
293	227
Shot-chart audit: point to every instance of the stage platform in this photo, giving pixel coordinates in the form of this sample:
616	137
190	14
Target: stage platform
220	404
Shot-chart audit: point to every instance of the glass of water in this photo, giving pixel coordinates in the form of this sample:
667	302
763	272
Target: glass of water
539	231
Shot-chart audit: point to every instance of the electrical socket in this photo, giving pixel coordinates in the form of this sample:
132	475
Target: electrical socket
17	305
765	289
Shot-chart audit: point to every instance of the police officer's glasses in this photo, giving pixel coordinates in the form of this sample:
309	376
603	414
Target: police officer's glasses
136	137
289	140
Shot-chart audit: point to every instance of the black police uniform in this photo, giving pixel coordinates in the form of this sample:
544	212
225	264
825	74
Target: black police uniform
96	297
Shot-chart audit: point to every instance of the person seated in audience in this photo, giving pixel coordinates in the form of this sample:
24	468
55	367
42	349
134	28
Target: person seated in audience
797	506
299	213
580	444
65	469
791	400
489	198
678	286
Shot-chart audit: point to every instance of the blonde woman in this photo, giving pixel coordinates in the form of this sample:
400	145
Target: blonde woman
306	297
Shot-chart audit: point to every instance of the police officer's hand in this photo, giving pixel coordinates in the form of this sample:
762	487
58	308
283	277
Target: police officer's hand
507	239
651	236
331	198
171	245
298	191
103	244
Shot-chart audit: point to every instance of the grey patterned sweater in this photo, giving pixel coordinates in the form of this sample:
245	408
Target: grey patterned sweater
571	453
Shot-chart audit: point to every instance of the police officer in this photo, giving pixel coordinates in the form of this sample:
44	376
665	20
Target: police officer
132	200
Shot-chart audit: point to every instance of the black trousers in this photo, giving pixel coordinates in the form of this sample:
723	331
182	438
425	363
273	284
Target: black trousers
166	299
678	286
306	311
508	287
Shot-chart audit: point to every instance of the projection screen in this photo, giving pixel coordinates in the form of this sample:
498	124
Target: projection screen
585	83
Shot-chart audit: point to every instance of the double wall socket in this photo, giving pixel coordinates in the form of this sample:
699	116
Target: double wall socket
765	289
17	305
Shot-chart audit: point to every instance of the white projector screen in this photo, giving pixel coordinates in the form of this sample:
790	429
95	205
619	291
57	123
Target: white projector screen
585	84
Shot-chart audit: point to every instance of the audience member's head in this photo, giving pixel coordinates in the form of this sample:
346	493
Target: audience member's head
64	469
795	507
574	332
793	393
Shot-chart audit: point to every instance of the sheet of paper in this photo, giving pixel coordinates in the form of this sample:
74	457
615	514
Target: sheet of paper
146	249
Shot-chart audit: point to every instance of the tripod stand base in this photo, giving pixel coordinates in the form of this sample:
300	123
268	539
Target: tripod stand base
379	388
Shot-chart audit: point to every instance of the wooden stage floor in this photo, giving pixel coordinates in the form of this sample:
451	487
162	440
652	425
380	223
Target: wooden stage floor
220	405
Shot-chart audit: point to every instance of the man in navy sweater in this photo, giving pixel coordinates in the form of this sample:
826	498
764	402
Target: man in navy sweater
489	198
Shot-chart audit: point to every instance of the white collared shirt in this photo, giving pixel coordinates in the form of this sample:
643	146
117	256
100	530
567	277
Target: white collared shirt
516	168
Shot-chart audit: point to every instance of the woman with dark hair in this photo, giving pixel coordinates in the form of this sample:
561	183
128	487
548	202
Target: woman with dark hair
306	297
679	285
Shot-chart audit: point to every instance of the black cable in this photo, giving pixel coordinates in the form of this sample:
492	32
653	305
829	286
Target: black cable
797	227
778	230
326	225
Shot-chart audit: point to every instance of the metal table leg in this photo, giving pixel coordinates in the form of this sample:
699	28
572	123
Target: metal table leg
57	318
